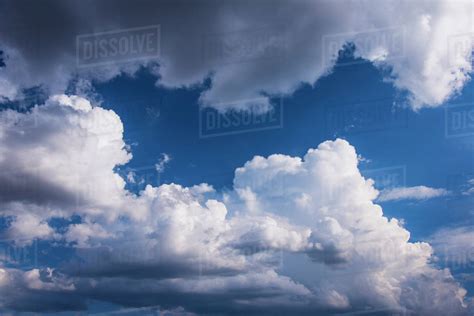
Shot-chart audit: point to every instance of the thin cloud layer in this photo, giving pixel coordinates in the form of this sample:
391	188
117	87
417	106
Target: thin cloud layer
202	250
247	49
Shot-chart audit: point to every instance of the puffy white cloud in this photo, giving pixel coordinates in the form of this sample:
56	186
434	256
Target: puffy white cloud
262	233
58	159
341	228
420	192
349	231
35	281
27	227
81	233
203	250
271	48
433	67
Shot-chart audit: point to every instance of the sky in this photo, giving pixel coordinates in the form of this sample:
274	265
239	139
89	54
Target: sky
236	157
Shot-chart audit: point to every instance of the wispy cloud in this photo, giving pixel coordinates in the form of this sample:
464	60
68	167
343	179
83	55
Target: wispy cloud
455	246
411	193
160	166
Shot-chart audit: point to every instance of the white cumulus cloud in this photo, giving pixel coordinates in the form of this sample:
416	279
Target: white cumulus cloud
200	249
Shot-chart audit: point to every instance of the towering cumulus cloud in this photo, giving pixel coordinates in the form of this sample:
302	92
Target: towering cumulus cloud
246	48
196	249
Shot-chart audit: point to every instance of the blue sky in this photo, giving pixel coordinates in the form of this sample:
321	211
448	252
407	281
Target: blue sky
221	164
395	137
397	141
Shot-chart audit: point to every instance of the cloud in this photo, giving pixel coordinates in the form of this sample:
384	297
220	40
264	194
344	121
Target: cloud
40	291
246	49
420	192
468	188
160	166
454	246
27	227
199	249
80	233
46	160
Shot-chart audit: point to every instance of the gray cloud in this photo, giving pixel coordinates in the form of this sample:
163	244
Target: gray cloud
246	48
